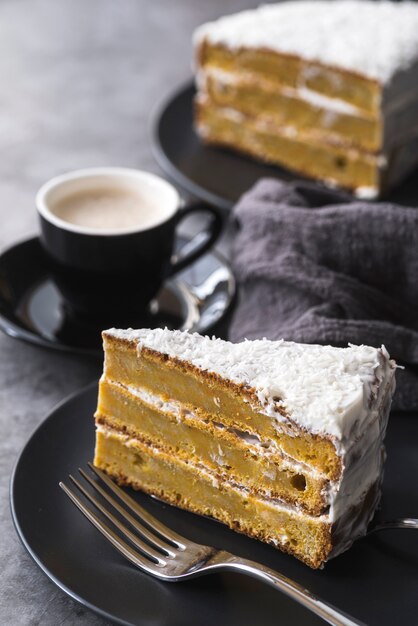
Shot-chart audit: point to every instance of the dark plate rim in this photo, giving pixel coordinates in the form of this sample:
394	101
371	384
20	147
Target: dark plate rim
19	332
166	164
37	559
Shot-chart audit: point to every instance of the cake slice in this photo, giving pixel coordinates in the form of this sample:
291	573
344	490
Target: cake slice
326	88
281	441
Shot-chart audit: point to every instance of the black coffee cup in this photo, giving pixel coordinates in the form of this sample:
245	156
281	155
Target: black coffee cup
105	272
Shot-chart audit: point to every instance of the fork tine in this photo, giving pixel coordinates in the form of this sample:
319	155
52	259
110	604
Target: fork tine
154	540
129	553
143	547
157	526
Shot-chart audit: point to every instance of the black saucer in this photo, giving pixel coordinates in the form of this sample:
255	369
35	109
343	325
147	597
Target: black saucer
215	175
32	309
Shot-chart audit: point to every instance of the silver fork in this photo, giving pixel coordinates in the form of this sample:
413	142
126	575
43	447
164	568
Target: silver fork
163	553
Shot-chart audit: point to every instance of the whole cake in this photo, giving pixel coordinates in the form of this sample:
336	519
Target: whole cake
280	441
326	88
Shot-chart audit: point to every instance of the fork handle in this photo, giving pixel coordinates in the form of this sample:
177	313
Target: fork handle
292	589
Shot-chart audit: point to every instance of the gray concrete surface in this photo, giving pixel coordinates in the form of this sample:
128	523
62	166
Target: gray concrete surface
78	80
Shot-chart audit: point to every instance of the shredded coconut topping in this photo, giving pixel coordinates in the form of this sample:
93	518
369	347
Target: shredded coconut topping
324	389
376	39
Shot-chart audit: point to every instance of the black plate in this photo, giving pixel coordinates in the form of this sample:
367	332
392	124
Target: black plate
32	309
215	175
375	581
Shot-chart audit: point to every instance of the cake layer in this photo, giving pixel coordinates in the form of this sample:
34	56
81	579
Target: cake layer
307	111
347	167
326	89
288	70
133	463
229	454
215	428
214	399
360	51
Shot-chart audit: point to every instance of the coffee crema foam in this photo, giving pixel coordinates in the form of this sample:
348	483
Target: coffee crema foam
111	209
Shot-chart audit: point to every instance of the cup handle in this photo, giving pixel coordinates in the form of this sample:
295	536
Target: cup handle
201	242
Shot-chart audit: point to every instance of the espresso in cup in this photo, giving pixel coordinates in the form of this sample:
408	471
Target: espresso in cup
109	234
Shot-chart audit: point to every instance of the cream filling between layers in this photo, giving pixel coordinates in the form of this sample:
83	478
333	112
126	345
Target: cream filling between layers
311	137
399	129
363	191
272	502
344	541
366	456
182	414
404	100
327	103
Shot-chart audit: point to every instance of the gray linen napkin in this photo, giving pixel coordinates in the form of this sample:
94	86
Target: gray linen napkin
314	266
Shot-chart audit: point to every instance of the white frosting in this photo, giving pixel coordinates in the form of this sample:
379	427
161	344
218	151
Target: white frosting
324	389
376	39
362	459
